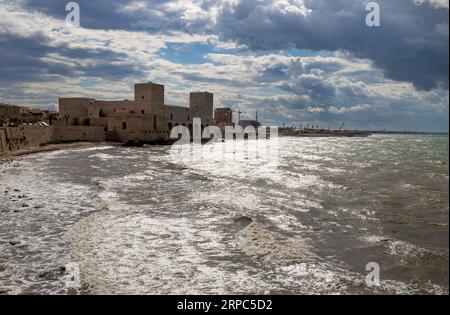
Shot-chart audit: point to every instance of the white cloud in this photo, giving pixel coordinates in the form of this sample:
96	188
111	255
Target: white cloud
342	110
312	109
435	3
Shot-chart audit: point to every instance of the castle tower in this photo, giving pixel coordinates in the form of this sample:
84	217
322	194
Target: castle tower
150	95
202	106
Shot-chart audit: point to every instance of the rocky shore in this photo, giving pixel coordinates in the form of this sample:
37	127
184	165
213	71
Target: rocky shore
9	157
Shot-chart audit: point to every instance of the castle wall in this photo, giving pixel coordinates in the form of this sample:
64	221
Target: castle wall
101	109
3	143
25	137
138	128
79	133
73	111
177	115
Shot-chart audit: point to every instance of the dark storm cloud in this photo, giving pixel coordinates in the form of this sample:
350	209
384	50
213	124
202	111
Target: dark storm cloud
275	69
411	45
24	59
315	87
98	14
108	14
20	59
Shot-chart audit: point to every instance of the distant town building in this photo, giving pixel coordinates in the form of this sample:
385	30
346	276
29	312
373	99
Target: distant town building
22	114
9	111
223	117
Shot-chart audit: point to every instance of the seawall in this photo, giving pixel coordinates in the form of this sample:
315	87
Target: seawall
24	137
14	139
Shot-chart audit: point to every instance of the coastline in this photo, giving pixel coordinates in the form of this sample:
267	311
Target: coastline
11	155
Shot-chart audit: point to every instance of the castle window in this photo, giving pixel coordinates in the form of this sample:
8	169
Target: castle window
171	116
143	112
142	96
124	125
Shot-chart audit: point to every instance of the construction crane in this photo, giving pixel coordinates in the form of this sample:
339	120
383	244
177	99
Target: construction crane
239	113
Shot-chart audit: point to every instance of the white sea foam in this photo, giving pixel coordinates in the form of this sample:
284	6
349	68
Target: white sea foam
260	243
136	223
102	156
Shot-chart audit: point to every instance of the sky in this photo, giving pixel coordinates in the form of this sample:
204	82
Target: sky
293	61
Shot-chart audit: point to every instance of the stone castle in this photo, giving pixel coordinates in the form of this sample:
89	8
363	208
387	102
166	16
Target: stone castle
145	119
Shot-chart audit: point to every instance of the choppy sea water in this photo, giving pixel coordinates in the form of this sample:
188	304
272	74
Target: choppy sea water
137	223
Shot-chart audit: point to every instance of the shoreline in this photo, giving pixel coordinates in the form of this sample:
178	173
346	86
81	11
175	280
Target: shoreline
11	155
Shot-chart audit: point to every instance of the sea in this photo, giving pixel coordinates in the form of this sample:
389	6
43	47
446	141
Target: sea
332	216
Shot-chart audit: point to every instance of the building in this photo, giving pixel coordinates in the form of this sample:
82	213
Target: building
21	114
223	117
8	111
145	119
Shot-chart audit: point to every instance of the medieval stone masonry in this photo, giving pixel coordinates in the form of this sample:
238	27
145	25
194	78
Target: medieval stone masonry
145	119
